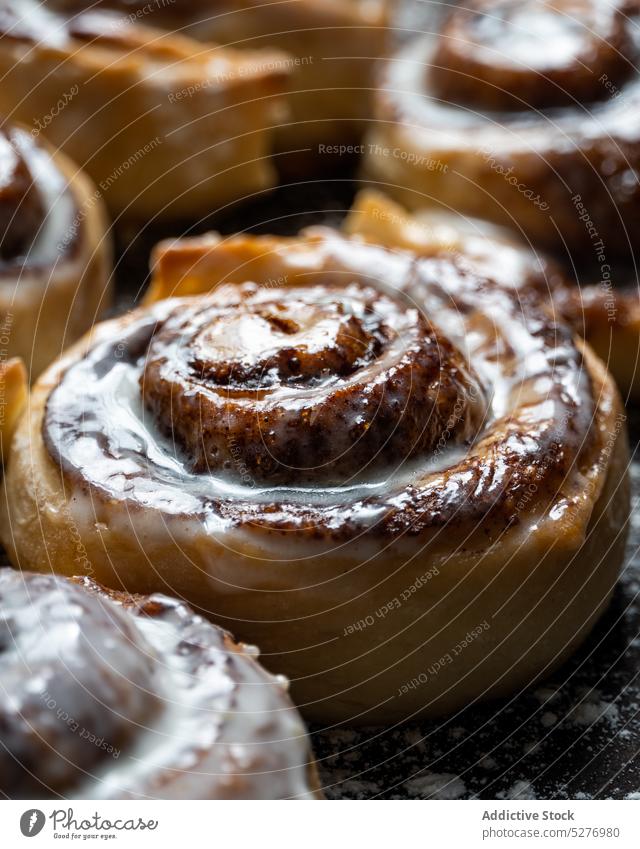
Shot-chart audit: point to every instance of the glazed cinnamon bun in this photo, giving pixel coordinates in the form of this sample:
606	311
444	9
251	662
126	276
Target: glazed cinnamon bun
400	475
333	46
113	696
521	111
55	257
166	126
607	316
13	397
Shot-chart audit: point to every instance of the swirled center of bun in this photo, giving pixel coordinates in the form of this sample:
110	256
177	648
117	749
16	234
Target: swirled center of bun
307	383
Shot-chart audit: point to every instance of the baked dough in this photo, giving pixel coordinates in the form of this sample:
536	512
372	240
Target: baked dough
466	550
167	127
55	261
112	696
13	397
607	316
524	112
333	46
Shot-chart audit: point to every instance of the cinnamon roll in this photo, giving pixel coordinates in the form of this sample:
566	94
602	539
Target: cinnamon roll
403	478
55	257
332	45
111	696
607	316
521	111
166	126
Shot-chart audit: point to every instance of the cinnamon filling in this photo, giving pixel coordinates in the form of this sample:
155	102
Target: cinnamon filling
328	409
68	658
126	696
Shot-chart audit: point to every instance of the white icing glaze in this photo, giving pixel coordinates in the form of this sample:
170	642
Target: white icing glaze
446	125
178	713
55	244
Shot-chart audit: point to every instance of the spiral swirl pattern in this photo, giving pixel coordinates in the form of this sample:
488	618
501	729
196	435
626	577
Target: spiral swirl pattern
321	385
126	100
114	696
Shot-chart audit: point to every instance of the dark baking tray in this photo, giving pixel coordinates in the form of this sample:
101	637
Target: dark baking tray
575	736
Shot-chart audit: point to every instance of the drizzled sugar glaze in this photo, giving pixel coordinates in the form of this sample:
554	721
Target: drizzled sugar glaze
319	383
521	111
178	710
525	409
552	94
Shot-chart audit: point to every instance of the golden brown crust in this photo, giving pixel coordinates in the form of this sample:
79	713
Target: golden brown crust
607	314
307	383
333	46
165	126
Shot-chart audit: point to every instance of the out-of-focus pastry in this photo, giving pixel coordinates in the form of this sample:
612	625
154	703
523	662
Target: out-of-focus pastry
333	47
606	313
403	476
13	397
113	696
166	126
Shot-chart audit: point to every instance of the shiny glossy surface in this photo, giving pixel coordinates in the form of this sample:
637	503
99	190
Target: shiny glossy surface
536	421
515	54
546	147
309	384
39	222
